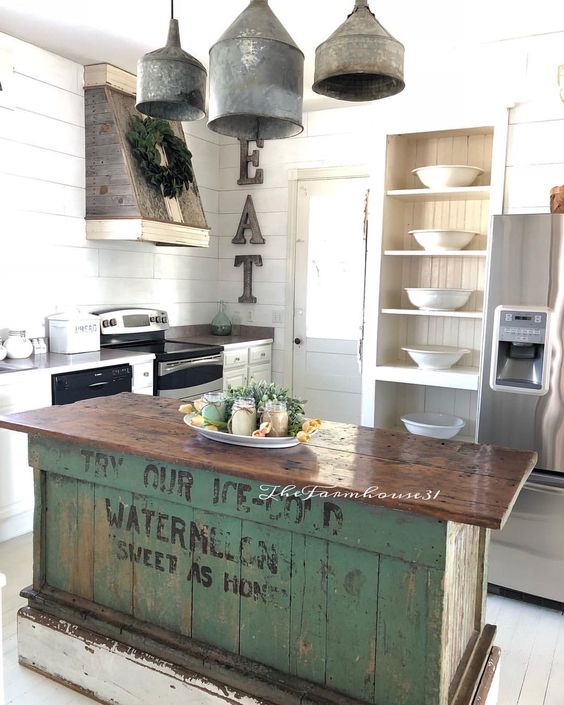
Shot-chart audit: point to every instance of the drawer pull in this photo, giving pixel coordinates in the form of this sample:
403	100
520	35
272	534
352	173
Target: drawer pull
145	374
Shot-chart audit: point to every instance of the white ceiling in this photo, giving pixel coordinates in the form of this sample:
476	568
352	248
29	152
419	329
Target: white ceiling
119	31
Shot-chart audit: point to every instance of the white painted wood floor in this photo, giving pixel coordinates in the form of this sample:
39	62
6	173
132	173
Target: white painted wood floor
531	639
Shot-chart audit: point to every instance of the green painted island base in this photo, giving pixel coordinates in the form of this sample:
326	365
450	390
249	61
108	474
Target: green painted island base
115	661
159	569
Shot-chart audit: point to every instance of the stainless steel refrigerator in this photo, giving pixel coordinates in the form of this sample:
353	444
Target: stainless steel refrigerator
521	397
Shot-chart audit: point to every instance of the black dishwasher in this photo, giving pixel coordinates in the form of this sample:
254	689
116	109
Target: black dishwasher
88	384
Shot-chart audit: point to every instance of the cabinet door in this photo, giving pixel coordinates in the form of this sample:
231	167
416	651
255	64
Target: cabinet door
235	358
142	376
16	479
260	373
235	378
260	354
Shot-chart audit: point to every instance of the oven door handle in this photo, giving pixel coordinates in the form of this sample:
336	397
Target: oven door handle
168	368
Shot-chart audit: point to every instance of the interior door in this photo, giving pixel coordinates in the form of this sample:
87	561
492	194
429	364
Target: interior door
328	296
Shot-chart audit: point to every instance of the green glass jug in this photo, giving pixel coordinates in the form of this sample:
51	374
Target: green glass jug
221	325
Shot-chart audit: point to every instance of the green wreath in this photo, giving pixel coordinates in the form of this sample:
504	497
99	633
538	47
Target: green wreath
144	137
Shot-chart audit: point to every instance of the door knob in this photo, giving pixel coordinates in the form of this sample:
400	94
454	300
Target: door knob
297	341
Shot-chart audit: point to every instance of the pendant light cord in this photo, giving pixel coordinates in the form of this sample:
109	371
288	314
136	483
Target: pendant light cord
171	9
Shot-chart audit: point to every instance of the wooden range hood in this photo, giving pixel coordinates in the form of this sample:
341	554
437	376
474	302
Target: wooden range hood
120	204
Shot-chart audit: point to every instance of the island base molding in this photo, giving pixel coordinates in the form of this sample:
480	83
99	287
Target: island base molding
117	659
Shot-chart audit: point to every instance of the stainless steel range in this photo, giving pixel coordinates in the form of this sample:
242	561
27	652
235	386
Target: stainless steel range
182	370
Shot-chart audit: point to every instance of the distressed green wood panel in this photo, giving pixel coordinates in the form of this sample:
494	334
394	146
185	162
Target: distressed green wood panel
113	572
352	592
216	569
409	615
394	533
161	560
60	531
84	585
264	590
434	690
308	612
39	533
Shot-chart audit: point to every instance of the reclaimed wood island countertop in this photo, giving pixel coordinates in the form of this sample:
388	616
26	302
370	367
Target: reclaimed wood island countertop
348	570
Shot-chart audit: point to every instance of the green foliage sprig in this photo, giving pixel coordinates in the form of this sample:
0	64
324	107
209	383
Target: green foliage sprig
262	392
144	137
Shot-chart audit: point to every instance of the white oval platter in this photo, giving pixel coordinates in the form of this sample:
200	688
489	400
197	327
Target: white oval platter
248	441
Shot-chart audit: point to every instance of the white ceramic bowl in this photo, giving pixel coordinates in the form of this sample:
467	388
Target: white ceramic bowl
438	299
424	423
435	357
442	240
447	176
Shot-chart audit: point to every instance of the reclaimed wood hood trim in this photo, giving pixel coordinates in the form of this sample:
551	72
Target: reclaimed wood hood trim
120	203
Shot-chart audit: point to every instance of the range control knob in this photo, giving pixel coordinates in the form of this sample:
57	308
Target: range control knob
105	323
159	319
113	322
165	319
152	319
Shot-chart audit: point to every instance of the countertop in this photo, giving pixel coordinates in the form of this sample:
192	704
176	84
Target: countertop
225	340
242	335
467	483
12	370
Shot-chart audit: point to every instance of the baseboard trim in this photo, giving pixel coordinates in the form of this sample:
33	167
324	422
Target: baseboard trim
16	525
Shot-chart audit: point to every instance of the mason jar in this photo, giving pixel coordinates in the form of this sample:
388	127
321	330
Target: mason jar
276	414
243	417
214	409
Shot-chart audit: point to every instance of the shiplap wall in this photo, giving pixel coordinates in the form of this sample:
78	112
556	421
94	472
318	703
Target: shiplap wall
47	264
330	138
521	72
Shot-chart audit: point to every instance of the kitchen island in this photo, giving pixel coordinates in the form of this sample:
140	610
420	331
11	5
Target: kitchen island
171	567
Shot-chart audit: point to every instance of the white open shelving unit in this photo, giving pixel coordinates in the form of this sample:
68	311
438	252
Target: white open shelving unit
399	385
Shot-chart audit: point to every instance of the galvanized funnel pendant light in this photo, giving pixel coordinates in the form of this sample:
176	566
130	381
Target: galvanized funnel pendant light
171	84
360	61
256	78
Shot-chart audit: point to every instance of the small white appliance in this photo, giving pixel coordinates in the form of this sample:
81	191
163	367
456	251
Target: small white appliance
74	332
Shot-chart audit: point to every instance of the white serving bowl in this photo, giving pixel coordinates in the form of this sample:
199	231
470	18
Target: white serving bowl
448	176
438	299
425	423
435	357
442	240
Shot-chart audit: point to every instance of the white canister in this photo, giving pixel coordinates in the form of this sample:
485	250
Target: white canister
17	345
74	332
243	417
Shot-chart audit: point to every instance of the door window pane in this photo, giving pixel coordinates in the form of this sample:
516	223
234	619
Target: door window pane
335	276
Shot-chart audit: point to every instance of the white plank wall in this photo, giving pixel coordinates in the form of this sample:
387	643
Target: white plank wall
48	264
330	138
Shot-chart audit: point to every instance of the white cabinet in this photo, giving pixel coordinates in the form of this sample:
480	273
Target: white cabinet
31	391
142	382
243	364
260	373
235	378
397	386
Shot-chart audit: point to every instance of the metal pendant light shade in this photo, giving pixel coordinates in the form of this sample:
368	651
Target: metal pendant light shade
256	78
171	84
360	61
